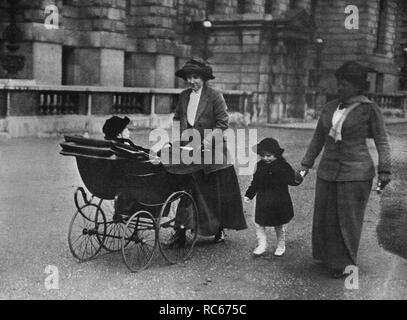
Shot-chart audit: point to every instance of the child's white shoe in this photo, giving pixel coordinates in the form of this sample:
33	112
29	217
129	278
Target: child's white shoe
280	232
261	241
260	249
280	250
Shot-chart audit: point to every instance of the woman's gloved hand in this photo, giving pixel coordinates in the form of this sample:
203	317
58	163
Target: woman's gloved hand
303	171
298	177
384	180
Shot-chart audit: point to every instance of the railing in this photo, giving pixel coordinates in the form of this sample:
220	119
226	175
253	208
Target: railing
80	100
239	101
56	103
392	104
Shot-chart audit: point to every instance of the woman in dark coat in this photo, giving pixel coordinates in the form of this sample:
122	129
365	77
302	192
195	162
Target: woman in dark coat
217	191
346	169
270	182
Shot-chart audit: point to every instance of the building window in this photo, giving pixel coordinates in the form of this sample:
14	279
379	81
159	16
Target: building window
293	4
241	6
381	25
404	24
128	7
268	6
68	65
210	6
379	82
313	8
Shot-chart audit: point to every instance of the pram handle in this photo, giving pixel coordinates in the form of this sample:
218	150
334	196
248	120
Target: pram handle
84	197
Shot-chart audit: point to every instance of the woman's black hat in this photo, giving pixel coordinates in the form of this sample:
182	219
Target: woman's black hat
114	126
268	145
196	66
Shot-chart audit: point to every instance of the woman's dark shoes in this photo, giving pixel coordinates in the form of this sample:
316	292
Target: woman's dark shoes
338	273
219	237
177	239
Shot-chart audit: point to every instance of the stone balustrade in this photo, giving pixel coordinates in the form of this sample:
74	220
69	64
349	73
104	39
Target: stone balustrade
43	110
392	104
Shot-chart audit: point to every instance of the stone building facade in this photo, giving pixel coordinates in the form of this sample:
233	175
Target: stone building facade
264	46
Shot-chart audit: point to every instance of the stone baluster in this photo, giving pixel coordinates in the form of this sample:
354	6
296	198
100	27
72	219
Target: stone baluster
114	104
48	104
119	103
42	104
70	104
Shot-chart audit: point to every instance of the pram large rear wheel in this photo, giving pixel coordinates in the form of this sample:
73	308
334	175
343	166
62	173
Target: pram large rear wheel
178	227
87	232
139	241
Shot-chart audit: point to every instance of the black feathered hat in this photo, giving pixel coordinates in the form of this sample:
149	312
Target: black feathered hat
354	72
114	126
196	66
268	145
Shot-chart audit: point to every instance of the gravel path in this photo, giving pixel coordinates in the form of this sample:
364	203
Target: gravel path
36	205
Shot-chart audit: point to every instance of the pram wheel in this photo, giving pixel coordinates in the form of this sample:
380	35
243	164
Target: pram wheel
178	227
139	241
114	227
87	232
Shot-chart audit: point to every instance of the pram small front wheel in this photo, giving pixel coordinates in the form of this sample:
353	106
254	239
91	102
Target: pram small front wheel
139	241
87	232
178	227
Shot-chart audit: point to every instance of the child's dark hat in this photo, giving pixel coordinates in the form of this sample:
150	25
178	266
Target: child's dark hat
268	145
114	126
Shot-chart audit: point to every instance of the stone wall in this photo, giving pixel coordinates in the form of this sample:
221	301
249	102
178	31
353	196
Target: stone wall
143	42
341	44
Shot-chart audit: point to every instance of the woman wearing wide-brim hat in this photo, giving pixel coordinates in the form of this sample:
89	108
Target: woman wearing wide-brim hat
216	188
346	170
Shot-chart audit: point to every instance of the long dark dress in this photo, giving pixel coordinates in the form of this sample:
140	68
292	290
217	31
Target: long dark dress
270	183
219	201
338	220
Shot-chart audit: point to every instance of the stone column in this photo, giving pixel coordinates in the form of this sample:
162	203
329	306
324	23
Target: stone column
298	107
111	67
277	89
47	63
156	37
254	6
279	7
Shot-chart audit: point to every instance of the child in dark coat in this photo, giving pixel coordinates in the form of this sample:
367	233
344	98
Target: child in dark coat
273	204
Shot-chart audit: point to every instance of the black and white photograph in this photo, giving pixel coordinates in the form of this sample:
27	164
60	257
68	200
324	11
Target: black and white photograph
202	154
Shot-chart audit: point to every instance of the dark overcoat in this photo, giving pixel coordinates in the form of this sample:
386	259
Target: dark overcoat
210	115
349	159
270	183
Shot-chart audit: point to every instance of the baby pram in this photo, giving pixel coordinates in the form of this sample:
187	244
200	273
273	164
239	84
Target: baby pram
161	204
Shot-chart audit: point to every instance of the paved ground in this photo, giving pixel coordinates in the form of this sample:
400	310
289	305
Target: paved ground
36	205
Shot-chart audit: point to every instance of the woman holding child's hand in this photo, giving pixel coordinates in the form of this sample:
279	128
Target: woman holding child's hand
346	169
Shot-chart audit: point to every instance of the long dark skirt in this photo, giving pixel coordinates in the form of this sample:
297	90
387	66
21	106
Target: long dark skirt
219	201
338	220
